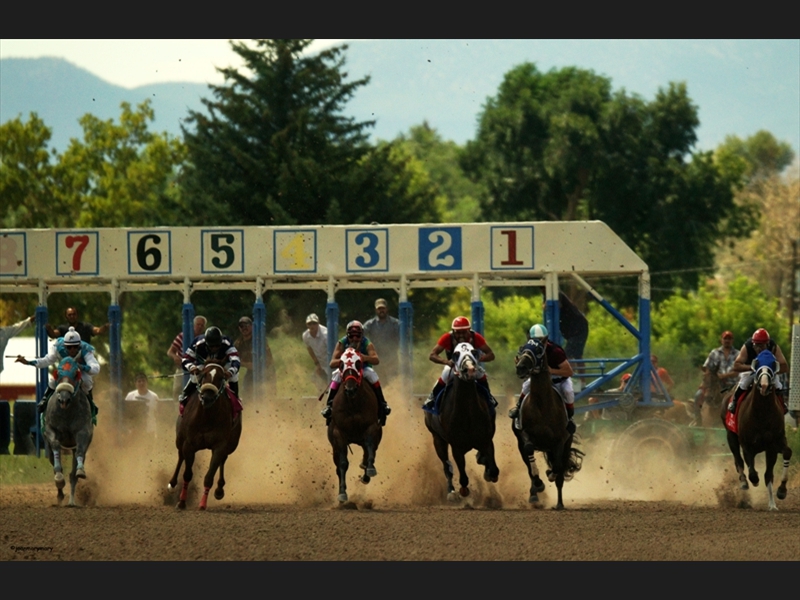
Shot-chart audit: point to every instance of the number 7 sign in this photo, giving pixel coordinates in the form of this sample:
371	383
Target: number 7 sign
77	253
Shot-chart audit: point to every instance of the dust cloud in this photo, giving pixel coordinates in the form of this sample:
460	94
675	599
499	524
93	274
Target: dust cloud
284	458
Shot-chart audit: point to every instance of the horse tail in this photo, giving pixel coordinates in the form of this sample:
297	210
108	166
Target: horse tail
574	463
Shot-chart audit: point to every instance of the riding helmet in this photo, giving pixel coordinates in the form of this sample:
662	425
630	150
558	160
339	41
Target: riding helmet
72	338
213	337
355	327
761	336
461	323
538	332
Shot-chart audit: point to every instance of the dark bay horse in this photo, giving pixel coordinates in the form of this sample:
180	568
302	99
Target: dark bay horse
543	420
212	420
354	420
68	426
464	423
758	427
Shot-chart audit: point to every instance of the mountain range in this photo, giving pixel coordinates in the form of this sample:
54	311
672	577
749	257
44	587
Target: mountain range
739	86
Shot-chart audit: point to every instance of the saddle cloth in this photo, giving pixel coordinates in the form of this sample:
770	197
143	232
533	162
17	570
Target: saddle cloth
491	402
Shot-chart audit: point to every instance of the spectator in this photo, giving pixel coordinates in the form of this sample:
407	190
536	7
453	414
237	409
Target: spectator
175	352
384	331
244	344
144	395
315	337
6	333
85	330
663	375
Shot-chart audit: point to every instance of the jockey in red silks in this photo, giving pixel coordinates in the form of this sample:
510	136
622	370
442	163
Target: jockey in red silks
369	356
461	331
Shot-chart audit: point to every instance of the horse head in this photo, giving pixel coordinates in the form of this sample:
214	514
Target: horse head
352	371
466	362
212	382
765	367
68	379
530	359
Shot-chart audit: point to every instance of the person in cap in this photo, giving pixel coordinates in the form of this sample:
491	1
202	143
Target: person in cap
460	332
211	345
384	331
720	361
244	344
69	345
759	342
356	339
560	372
315	338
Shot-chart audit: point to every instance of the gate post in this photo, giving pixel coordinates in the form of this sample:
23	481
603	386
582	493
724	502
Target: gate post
259	347
41	374
115	356
406	313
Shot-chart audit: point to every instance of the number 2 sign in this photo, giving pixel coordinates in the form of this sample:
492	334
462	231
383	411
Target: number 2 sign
77	253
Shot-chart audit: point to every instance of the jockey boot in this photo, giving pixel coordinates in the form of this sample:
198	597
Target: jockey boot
570	423
43	403
190	389
735	400
234	385
514	412
430	401
484	384
383	408
326	412
93	406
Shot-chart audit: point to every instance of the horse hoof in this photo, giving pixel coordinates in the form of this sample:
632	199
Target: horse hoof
365	479
219	493
372	472
538	484
201	507
342	498
558	507
781	493
453	497
80	474
181	505
464	491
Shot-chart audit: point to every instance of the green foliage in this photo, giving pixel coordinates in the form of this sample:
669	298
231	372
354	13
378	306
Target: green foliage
759	156
561	146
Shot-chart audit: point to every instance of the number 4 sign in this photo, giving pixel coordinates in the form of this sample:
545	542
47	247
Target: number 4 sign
77	253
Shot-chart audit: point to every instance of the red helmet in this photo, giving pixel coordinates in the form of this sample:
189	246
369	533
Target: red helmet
355	327
761	336
461	323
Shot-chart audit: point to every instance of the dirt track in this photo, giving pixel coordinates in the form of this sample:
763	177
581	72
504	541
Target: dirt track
280	504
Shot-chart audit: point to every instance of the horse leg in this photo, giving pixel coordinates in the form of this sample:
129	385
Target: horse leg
187	478
787	455
173	483
750	461
82	445
559	486
733	444
217	456
771	456
441	451
73	478
491	471
463	479
341	462
537	485
219	493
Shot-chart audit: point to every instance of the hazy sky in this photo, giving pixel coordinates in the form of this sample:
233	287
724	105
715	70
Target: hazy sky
131	63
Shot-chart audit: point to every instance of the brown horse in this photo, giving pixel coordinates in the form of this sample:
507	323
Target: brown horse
211	421
758	427
714	395
464	422
354	420
543	425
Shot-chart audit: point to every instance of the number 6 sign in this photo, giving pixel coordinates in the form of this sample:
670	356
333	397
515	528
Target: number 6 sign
149	253
77	253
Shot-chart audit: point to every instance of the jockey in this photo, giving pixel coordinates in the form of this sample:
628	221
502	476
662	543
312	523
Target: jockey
211	345
69	345
461	332
560	372
369	357
753	347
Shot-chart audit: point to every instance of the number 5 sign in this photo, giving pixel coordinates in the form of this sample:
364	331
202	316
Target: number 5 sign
77	253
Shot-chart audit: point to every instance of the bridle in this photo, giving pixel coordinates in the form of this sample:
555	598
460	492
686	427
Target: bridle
530	360
352	370
216	391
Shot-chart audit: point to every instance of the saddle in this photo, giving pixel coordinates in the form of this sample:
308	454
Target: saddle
236	402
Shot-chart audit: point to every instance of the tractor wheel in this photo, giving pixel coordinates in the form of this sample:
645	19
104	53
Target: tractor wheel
648	452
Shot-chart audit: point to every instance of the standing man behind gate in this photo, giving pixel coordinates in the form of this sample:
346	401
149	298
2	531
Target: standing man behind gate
175	352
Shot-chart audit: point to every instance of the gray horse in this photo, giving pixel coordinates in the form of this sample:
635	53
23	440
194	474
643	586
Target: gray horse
68	426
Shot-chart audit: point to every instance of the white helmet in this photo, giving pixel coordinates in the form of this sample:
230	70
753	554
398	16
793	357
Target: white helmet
538	332
72	338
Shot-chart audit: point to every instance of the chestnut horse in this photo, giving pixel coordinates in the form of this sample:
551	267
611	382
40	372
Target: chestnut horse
464	422
354	420
543	421
758	427
212	420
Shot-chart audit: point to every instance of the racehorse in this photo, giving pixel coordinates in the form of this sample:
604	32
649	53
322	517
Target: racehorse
68	426
464	422
354	420
758	427
212	420
713	396
543	421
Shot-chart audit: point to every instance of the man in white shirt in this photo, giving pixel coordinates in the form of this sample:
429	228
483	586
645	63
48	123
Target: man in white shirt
315	337
148	399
